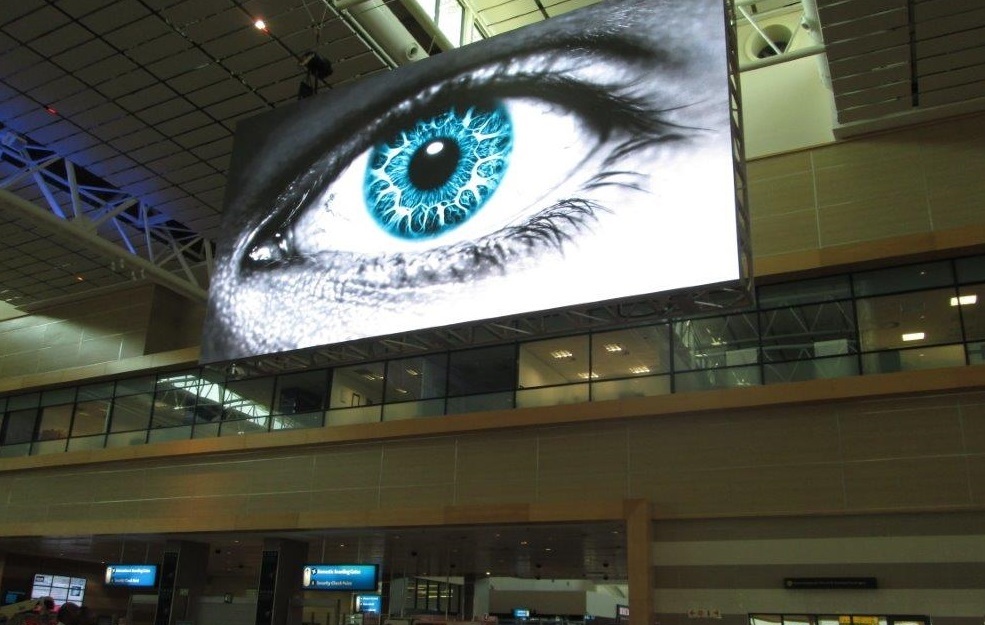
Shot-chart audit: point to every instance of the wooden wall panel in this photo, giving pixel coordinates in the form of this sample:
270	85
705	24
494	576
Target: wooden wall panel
839	457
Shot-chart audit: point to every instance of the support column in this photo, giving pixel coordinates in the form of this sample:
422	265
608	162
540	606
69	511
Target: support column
182	581
467	610
281	569
639	546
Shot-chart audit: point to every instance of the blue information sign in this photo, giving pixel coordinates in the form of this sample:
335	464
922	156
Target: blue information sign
369	603
340	576
132	575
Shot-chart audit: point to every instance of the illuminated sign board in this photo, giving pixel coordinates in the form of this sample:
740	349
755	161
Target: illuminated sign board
132	575
340	577
369	603
583	159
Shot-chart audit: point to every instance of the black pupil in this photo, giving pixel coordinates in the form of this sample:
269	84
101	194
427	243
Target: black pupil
434	163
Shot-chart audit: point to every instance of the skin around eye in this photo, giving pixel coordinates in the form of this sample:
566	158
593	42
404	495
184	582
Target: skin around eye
618	182
549	145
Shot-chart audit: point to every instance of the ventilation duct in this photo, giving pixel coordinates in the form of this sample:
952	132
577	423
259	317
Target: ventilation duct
378	22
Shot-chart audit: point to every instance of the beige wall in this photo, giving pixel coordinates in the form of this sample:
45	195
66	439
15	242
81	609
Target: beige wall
924	564
915	181
852	456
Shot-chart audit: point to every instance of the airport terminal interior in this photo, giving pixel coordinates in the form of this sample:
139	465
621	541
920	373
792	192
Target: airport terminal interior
802	445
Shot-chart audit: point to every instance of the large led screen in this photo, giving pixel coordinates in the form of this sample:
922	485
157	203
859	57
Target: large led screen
583	159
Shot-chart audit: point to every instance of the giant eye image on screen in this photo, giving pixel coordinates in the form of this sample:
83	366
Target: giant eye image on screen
587	158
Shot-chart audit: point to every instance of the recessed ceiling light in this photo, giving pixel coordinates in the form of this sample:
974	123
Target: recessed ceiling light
639	370
561	354
584	375
964	300
612	348
914	336
260	24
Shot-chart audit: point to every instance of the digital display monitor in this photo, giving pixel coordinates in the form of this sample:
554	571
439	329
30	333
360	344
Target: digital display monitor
61	588
354	577
13	596
369	603
131	575
587	158
521	613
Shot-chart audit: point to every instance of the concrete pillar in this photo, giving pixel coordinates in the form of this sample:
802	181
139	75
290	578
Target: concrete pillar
639	546
182	580
281	567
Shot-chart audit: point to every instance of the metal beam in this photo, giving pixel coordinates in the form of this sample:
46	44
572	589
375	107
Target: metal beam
71	231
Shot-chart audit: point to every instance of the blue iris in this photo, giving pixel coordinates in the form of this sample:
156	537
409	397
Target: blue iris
426	180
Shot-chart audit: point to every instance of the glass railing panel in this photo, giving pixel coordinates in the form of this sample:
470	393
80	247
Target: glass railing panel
648	386
41	448
206	430
478	403
709	379
914	359
126	439
552	396
350	416
976	353
241	427
816	369
414	409
13	451
160	435
297	421
87	443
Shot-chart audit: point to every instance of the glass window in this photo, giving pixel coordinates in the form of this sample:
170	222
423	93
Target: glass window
554	361
176	398
826	289
420	377
631	353
483	370
908	278
301	392
132	412
208	407
971	303
103	390
971	269
249	398
359	385
55	422
21	402
716	342
908	320
134	386
19	426
91	417
811	331
58	396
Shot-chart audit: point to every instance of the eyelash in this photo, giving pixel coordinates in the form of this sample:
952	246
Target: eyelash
609	111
